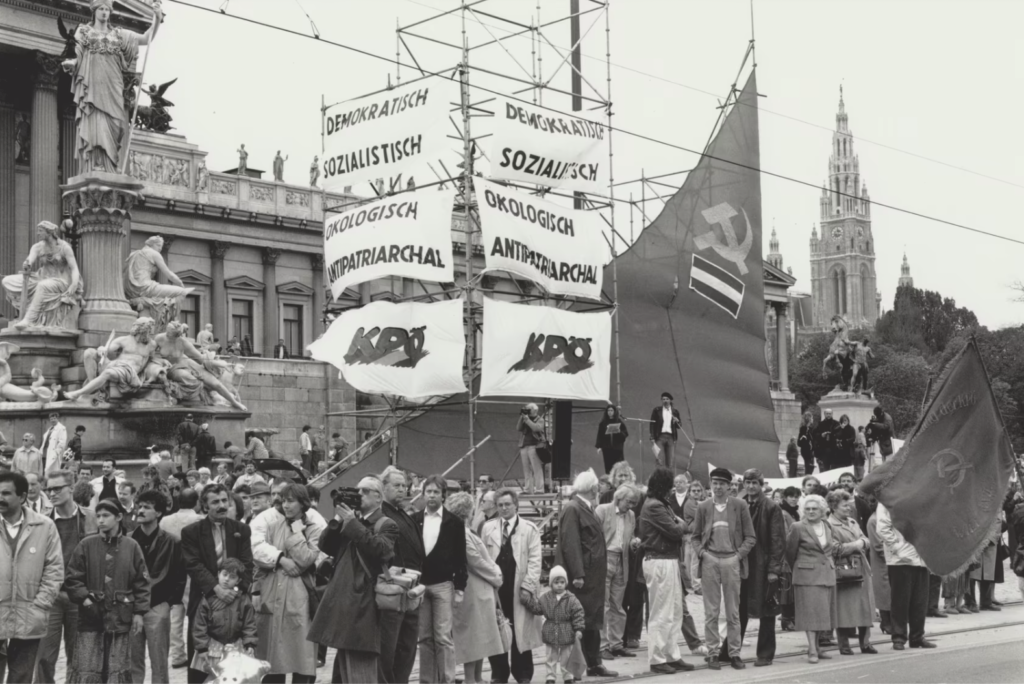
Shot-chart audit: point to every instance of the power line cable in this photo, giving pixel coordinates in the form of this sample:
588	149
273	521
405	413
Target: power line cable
633	134
695	89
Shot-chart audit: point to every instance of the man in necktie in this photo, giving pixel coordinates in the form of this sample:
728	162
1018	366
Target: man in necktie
205	545
37	501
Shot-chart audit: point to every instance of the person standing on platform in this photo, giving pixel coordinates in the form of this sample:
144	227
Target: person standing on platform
205	447
611	436
723	536
514	544
805	440
824	436
31	572
54	442
399	631
665	424
187	432
162	554
445	575
581	551
531	435
306	449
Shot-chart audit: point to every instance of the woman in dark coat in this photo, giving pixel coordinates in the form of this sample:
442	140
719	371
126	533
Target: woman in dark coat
809	552
805	441
854	600
611	436
844	439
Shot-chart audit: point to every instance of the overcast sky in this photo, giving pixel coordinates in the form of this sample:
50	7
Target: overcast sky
930	85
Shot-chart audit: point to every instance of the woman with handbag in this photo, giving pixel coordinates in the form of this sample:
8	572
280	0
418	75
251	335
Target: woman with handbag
809	553
477	621
855	605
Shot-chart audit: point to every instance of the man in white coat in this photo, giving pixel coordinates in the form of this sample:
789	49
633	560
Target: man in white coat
514	544
55	441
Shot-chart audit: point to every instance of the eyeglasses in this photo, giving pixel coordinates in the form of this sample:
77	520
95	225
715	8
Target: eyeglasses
55	490
484	480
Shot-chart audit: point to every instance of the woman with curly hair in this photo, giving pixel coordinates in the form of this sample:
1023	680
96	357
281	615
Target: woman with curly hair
611	436
620	474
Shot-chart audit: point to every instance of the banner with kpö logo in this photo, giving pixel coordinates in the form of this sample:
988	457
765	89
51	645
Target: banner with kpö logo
558	247
540	146
406	235
379	136
539	351
409	350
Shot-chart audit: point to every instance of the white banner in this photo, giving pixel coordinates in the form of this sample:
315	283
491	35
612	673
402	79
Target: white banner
409	350
378	136
558	247
544	147
539	351
407	235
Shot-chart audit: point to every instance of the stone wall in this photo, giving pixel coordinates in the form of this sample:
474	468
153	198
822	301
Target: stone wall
289	394
787	419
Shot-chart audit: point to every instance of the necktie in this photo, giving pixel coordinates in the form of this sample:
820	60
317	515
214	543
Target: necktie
504	531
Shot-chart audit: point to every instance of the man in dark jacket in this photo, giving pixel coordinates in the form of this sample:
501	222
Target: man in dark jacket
665	424
824	436
445	575
206	447
162	554
764	567
204	546
361	547
399	632
187	432
582	552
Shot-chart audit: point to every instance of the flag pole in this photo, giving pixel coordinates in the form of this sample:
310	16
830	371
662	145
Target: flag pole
142	75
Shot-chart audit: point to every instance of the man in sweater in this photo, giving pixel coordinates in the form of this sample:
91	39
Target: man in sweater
162	553
399	632
445	575
908	584
723	536
73	525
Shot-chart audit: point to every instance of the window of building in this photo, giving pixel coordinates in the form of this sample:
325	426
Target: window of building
293	325
188	314
241	319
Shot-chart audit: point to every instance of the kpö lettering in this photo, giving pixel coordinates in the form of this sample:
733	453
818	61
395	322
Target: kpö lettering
395	347
555	354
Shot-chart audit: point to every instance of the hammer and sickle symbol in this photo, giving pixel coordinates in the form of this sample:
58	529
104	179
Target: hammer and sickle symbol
952	466
733	250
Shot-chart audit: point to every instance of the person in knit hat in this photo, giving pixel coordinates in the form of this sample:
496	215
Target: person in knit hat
563	623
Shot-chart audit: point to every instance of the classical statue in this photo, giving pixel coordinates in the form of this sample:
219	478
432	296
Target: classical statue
188	367
839	354
22	139
243	160
155	117
127	358
314	172
103	54
147	296
202	177
37	393
279	167
49	284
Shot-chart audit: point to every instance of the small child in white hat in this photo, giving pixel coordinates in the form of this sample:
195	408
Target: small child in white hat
563	623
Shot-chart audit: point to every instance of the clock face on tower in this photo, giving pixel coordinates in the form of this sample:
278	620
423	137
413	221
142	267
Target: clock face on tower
837	233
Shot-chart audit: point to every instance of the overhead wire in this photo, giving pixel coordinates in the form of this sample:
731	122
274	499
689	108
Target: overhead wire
616	129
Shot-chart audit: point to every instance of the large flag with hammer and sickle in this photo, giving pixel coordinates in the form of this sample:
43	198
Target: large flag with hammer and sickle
691	311
946	486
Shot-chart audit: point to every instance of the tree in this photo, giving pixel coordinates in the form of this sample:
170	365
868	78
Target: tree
923	320
899	381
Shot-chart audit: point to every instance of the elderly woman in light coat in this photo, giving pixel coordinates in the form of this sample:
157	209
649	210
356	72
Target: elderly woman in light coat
855	606
524	543
475	628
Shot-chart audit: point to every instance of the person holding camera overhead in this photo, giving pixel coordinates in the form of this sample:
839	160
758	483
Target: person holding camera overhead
531	436
362	543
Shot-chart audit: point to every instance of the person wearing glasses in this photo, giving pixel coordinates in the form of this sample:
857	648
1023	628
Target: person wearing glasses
74	523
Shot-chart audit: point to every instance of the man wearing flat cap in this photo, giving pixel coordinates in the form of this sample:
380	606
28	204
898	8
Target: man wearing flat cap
665	424
723	536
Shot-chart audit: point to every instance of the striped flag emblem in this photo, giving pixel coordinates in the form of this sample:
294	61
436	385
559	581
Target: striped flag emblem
717	285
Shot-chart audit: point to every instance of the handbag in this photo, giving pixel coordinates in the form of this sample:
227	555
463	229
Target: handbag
504	626
387	594
544	452
849	569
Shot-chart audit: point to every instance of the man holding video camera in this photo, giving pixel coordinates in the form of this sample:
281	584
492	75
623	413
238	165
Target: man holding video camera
362	545
531	435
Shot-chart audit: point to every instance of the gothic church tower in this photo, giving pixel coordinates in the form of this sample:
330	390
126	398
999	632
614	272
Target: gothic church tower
843	258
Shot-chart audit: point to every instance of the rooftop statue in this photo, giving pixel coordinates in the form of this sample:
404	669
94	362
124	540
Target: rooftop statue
147	296
279	167
314	172
103	53
243	160
50	284
155	117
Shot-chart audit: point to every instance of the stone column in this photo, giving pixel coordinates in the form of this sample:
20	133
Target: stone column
101	203
781	340
218	292
9	261
317	263
271	315
67	142
44	194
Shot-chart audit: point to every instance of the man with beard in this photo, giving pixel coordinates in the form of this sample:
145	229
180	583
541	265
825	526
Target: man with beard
189	368
824	436
162	554
128	356
764	566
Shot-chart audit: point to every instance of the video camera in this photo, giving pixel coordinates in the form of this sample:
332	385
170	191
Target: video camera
350	496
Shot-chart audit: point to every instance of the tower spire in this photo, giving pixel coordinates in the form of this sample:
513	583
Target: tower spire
905	278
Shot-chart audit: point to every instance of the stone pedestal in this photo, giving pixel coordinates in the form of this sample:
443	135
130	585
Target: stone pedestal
101	204
857	406
50	352
787	419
